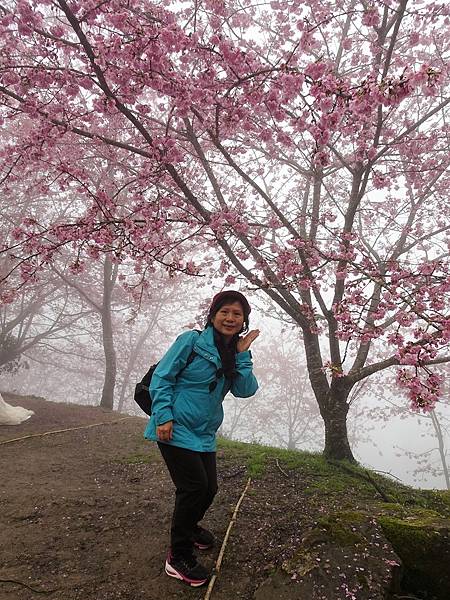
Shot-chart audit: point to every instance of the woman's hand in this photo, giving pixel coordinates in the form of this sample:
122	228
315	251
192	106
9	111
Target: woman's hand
245	342
164	431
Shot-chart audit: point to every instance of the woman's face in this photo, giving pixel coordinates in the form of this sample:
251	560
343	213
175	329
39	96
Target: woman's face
229	319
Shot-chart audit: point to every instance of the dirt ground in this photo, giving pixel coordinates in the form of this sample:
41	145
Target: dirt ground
83	516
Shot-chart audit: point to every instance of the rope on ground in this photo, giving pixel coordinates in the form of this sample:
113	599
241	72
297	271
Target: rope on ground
224	543
25	437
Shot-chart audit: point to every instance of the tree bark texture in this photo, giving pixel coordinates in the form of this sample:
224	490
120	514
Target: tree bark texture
332	400
334	413
107	400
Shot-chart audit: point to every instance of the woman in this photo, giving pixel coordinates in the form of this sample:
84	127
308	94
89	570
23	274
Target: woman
187	390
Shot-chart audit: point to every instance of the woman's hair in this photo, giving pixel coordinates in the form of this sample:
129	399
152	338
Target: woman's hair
228	297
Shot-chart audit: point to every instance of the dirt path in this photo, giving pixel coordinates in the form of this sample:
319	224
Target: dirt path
84	515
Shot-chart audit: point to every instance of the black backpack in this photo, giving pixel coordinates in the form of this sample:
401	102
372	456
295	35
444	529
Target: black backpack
141	390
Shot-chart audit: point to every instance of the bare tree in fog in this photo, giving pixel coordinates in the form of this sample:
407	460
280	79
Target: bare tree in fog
443	437
162	310
284	411
435	427
289	410
40	316
95	288
432	427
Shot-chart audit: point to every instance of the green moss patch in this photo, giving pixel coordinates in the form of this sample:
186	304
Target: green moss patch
340	530
302	563
422	541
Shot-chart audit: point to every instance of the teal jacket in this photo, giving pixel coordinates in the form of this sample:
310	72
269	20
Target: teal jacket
181	393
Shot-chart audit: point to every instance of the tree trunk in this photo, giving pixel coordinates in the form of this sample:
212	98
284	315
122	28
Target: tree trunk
291	445
107	400
129	369
332	401
135	353
337	446
442	451
334	413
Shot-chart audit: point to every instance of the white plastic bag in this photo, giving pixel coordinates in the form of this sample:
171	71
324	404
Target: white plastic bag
13	415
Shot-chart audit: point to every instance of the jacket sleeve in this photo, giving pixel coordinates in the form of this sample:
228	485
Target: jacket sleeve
245	383
162	384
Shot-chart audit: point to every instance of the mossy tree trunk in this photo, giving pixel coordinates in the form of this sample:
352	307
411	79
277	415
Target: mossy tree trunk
333	406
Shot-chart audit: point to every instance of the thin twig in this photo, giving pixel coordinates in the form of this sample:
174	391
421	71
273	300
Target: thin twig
25	437
387	473
224	543
278	465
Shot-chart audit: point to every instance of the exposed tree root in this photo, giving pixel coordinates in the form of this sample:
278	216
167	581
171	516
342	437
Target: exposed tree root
281	470
362	475
16	582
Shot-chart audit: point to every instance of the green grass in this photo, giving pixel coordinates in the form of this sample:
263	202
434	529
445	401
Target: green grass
138	459
335	477
343	498
257	456
322	477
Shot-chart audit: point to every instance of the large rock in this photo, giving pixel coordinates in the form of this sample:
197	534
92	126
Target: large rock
344	556
422	541
355	555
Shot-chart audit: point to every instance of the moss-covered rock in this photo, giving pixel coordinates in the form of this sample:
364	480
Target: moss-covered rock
341	529
344	555
421	538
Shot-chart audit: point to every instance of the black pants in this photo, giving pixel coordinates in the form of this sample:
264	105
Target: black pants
195	477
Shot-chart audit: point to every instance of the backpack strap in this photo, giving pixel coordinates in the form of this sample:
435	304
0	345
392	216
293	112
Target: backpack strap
141	390
191	355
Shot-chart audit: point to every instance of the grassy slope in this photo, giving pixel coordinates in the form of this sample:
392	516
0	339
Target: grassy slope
347	497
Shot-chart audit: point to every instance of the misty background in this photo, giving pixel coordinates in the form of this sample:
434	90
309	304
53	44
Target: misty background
52	346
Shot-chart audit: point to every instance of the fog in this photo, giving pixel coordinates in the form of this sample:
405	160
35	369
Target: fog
405	448
384	435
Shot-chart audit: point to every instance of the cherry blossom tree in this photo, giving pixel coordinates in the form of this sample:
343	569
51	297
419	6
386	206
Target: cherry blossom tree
308	141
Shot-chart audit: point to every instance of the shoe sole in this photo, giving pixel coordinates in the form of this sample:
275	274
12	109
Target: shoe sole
171	572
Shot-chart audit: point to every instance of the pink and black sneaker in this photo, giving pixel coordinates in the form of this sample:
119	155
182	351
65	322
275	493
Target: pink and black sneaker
187	569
